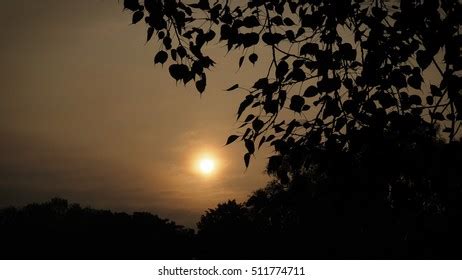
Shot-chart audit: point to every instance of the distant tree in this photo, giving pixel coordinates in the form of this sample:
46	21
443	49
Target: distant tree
57	229
342	68
226	231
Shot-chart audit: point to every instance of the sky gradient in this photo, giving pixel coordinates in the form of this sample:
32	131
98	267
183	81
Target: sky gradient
86	116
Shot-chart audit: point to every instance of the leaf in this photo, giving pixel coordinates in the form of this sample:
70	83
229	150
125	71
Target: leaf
290	35
249	145
261	83
209	36
281	70
233	87
161	57
251	21
244	104
249	118
288	21
178	71
249	39
167	41
296	103
231	139
272	38
137	16
282	98
309	48
415	99
438	116
149	33
201	84
298	75
181	51
241	60
262	140
173	54
132	5
415	81
253	58
429	100
277	20
247	160
311	91
423	59
435	90
257	124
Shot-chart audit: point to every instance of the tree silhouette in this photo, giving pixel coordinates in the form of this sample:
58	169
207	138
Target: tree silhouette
362	205
361	101
226	232
56	229
343	68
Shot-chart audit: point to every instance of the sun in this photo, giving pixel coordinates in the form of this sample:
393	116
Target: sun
206	165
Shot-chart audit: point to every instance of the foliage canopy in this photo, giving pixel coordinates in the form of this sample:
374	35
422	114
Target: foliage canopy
341	67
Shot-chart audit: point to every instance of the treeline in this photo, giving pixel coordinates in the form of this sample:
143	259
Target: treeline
394	195
57	229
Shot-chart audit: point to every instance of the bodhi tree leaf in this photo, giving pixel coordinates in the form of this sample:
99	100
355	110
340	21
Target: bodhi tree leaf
253	58
296	103
231	139
137	16
233	87
161	57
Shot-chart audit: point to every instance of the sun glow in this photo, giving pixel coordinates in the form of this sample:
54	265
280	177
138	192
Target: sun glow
206	165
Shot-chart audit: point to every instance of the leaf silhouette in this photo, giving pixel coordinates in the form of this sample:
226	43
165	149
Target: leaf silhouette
296	103
231	139
249	145
244	104
415	81
311	91
257	124
288	21
272	38
262	141
137	16
423	59
178	71
150	32
253	58
201	84
161	57
233	87
132	5
247	160
435	90
241	60
309	48
249	118
281	70
251	21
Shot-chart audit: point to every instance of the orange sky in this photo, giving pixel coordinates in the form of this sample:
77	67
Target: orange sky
85	115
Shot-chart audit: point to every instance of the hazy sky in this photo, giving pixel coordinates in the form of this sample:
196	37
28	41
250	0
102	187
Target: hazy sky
85	115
